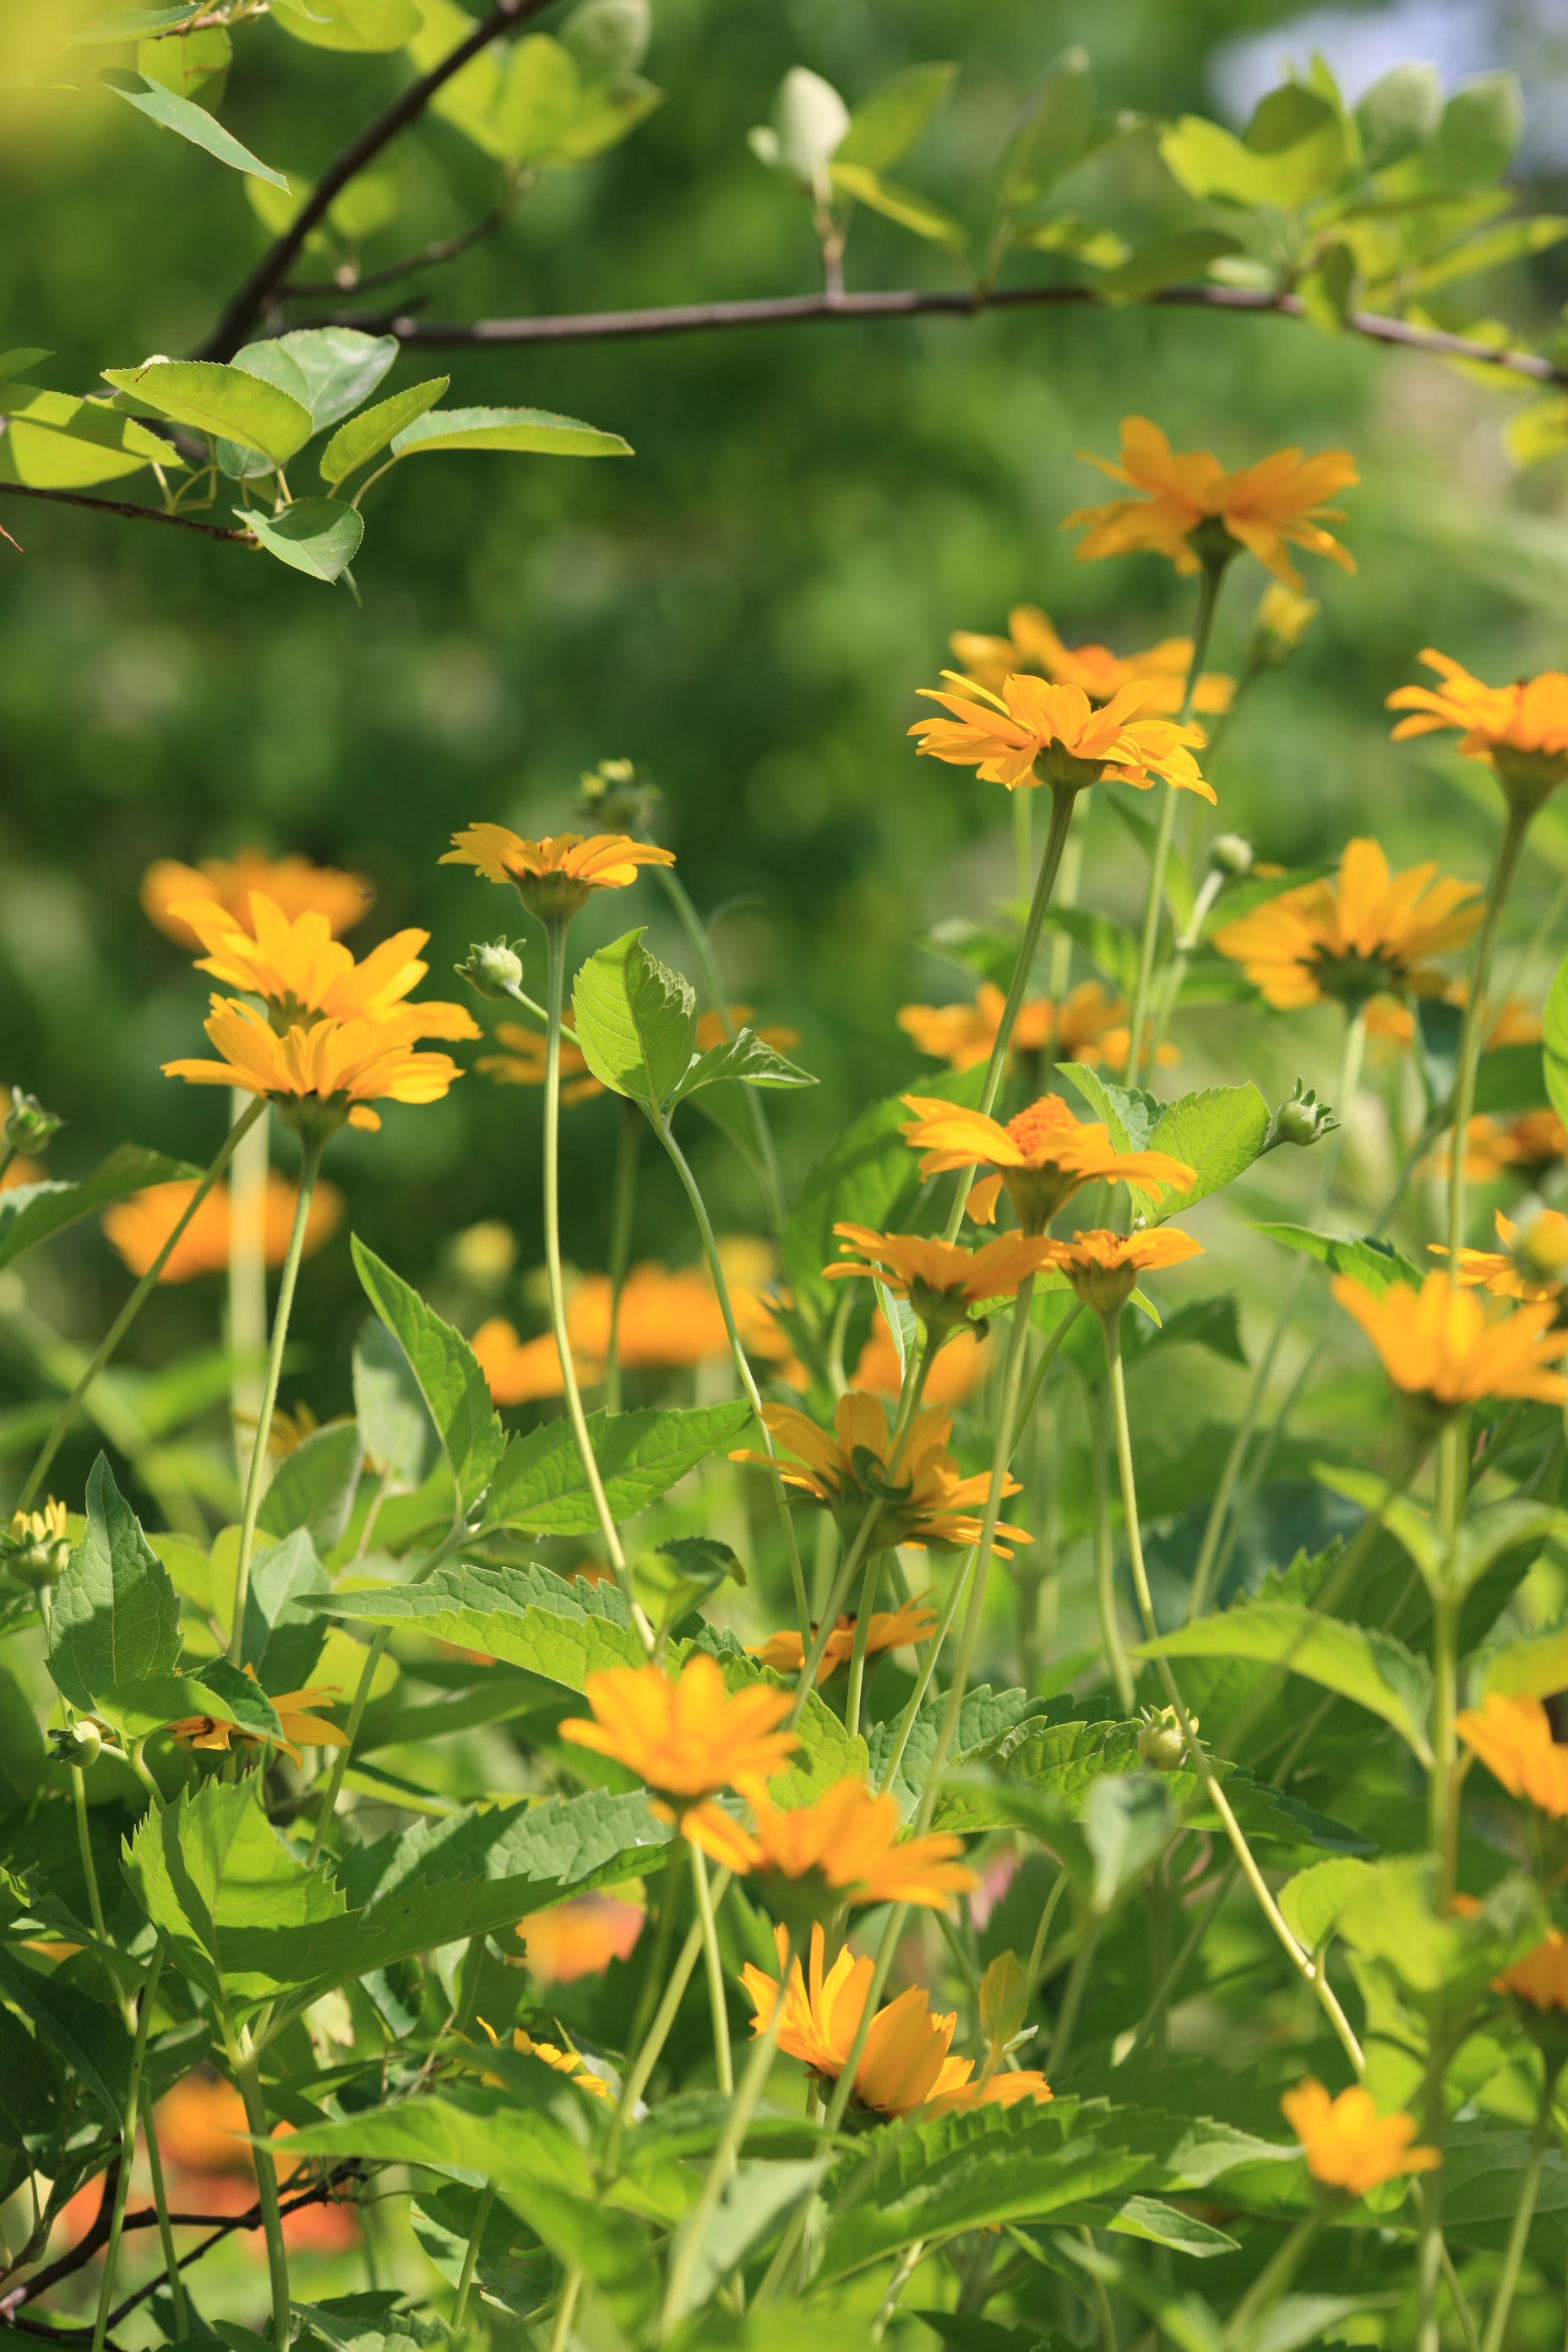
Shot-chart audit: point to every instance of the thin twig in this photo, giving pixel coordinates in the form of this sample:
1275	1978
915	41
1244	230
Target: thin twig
428	257
124	507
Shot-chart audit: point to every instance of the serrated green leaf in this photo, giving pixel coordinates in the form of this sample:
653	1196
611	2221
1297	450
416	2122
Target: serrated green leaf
1357	1662
374	428
539	1483
446	1371
744	1056
1129	1116
215	1688
31	1214
636	1021
187	120
116	1615
279	1639
1218	1131
1376	1264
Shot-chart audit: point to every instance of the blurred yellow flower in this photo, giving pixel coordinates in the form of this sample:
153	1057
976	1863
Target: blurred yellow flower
292	883
1264	508
1034	733
1438	1343
1032	645
942	1280
318	1077
140	1227
1280	622
1104	1268
846	1848
1532	1265
1524	1146
300	1725
1043	1156
889	1629
954	1375
686	1738
550	2054
925	1500
1520	731
1513	1737
1088	1025
554	875
1347	2143
579	1938
1366	933
304	974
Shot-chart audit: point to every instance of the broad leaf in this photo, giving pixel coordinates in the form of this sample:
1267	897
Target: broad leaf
1175	258
1482	127
187	120
313	1487
1055	132
744	1056
1294	149
905	205
886	125
281	1641
1374	1263
226	401
1219	1132
338	367
636	1021
319	537
30	1214
1357	1662
215	1688
446	1371
1554	1044
534	431
1129	1115
373	428
116	1615
349	24
396	1432
540	1484
53	441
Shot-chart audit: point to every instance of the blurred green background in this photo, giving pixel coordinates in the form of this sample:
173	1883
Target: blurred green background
745	608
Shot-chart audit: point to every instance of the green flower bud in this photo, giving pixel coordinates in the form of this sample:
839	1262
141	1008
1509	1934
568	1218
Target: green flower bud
491	968
1232	853
1160	1739
1303	1120
617	797
28	1126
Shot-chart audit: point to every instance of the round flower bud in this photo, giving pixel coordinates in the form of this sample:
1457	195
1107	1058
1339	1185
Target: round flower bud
618	798
492	968
1232	853
28	1126
1303	1119
1160	1739
35	1547
89	1742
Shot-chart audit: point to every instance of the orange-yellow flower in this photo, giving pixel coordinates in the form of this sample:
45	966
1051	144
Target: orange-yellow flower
550	2054
666	1321
1104	1268
1525	1146
1043	1156
1540	1979
925	1500
889	1629
1439	1343
1520	731
579	1938
1035	733
304	974
1032	644
1366	933
292	883
954	1375
906	2063
686	1738
942	1280
517	1371
1513	1737
1087	1026
554	875
297	1723
845	1848
140	1227
319	1077
1531	1266
1347	2143
1514	1021
1183	495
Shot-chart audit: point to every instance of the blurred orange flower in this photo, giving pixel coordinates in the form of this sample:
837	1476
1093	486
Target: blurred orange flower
1087	1026
954	1375
1032	645
1366	933
1439	1343
579	1938
1525	1146
1264	508
1347	2143
139	1226
294	883
890	1629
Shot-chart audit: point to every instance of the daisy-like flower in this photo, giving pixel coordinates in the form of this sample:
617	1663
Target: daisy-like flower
925	1500
1032	644
1088	1025
1513	1737
301	1726
1441	1346
579	1938
1526	1146
685	1739
35	1547
1105	1268
1281	621
889	1629
568	2062
321	1076
1531	1266
1185	504
954	1375
943	1281
666	1322
296	885
554	877
906	2064
303	974
1347	2143
846	1848
1520	731
1367	933
1035	733
522	1062
140	1227
1043	1156
517	1370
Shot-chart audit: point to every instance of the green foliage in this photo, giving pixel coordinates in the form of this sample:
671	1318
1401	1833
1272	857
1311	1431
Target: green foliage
539	1483
31	1214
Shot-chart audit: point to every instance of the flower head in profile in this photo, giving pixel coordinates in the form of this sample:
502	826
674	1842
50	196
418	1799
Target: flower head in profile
554	875
1520	732
925	1498
1088	1025
1043	1156
889	1629
300	1725
845	1848
1035	733
579	1938
1032	644
1367	933
140	1225
953	1377
318	1078
1512	1737
944	1283
687	1736
1533	1262
1347	2143
907	2064
1442	1346
35	1546
566	2061
1105	1268
303	974
1184	505
294	884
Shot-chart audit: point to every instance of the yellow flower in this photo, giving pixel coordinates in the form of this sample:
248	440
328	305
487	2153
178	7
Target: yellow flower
846	1848
1540	1979
1524	1146
1186	494
1043	1156
579	1938
905	2064
550	2054
1034	733
1439	1344
1514	1021
1087	1026
890	1629
140	1227
1513	1737
292	883
685	1739
1366	933
35	1547
942	1280
47	1525
214	1733
1104	1268
318	1077
1032	644
956	1373
1347	2143
1520	731
1279	623
522	1062
554	877
1531	1266
304	974
924	1501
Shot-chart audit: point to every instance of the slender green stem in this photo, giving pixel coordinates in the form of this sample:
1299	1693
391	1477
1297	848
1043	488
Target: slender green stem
858	1648
566	2310
127	2150
471	2257
1472	1028
1104	1555
248	2081
1442	1834
1037	1379
131	1308
1311	1970
708	1925
1023	842
623	1211
731	2139
1524	2213
1042	1933
309	1170
635	2081
916	1696
555	980
1442	1816
247	1283
1272	2280
165	2232
7	1153
702	949
84	1847
1072	2002
1461	2306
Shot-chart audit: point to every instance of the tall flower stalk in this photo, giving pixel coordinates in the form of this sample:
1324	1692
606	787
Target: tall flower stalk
311	1168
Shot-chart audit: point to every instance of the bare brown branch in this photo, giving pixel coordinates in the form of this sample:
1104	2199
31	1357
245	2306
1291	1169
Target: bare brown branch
123	506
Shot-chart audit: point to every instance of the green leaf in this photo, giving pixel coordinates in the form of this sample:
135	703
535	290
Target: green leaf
339	367
1481	130
541	98
1327	291
21	1747
1554	1041
1539	430
313	1487
145	1705
1084	240
607	112
116	1615
1374	1263
755	2197
746	1057
1219	1132
20	359
636	1021
1127	1821
132	25
1510	1078
319	537
1174	257
195	65
1294	149
1514	240
1393	1912
524	1616
1399	114
1357	1662
895	203
187	122
396	1432
540	1485
226	401
1130	1117
1533	1667
1055	131
349	24
533	430
373	428
279	1639
1111	947
609	36
469	98
445	1366
886	125
31	1214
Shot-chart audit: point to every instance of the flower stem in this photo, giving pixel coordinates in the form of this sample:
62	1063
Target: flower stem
1311	1970
133	1308
1036	1381
1072	2001
247	1283
1524	2213
857	1649
723	2065
702	948
1272	2280
248	2081
566	2310
165	2232
309	1170
635	2081
471	2257
1104	1557
622	1209
1042	1933
1473	1027
127	2150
